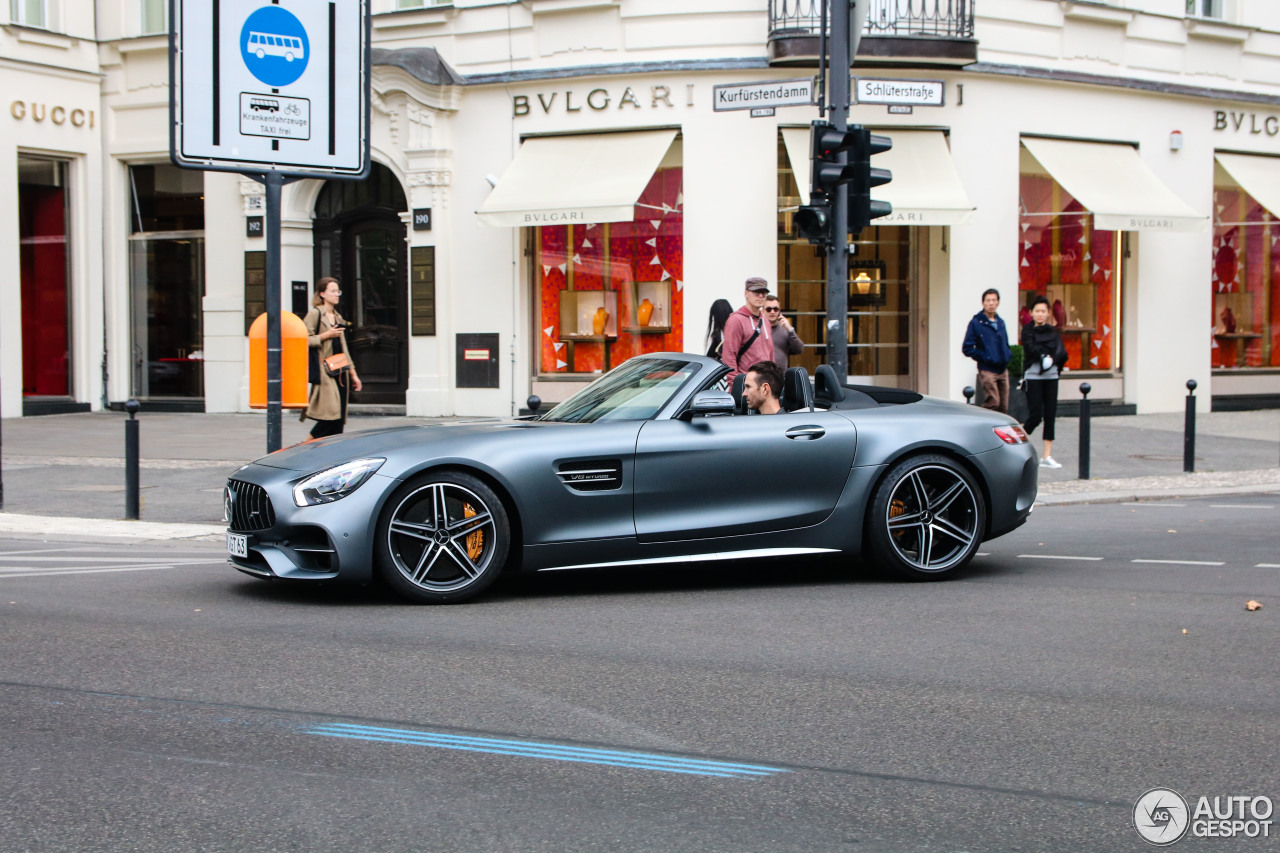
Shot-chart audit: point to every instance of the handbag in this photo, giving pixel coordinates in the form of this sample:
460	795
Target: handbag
336	363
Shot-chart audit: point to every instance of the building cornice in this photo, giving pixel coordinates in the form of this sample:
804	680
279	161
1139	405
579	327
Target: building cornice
533	75
1133	83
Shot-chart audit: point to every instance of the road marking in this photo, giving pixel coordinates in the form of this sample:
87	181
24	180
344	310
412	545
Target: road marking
1267	566
1242	506
104	560
1181	562
1149	503
982	554
1054	557
552	751
40	571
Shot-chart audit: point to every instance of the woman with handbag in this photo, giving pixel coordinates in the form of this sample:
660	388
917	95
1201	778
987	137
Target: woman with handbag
330	369
1045	355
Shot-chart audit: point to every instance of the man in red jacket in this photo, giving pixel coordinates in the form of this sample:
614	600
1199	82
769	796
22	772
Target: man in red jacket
747	336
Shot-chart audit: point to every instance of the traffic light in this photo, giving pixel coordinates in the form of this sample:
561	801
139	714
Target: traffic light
862	207
827	174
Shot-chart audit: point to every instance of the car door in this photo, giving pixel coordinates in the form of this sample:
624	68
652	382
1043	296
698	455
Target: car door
724	476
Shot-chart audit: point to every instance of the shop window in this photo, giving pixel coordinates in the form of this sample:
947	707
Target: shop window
613	290
1245	280
44	271
166	260
879	306
1077	267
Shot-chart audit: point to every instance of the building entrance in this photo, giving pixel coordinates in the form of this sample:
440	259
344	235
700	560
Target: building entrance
360	240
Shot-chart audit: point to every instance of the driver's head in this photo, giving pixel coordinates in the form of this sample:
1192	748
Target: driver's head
763	384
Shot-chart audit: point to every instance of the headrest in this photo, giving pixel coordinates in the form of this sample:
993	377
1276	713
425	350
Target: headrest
797	392
739	401
825	384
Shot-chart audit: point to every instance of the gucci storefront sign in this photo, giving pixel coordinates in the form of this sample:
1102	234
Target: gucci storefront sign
56	113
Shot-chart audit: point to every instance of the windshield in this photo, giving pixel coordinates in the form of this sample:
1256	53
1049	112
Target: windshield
634	391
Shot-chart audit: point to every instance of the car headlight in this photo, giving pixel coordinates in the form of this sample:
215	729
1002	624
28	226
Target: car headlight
335	483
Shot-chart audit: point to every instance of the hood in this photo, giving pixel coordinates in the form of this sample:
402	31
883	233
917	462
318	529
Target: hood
421	441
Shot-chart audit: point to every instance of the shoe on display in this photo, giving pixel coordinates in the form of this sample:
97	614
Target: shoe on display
1050	462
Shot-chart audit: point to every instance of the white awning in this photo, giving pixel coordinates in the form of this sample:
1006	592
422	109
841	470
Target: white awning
1113	183
925	189
590	178
1258	176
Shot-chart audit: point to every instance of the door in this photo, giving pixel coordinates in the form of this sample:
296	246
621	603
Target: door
373	281
726	476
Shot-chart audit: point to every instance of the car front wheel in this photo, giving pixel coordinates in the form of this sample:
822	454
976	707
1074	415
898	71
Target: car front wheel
443	538
926	518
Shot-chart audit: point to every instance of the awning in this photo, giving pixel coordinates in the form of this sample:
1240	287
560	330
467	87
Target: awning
590	178
1113	183
1258	176
925	189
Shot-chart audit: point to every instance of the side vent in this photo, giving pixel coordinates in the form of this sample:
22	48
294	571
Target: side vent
594	475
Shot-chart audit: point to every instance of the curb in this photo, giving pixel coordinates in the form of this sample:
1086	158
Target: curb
1127	495
56	525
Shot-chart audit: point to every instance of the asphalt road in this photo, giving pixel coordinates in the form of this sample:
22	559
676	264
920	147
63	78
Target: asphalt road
152	699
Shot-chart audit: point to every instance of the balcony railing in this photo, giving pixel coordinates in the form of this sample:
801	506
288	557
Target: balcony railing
891	29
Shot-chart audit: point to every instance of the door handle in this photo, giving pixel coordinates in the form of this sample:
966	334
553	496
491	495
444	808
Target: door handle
806	433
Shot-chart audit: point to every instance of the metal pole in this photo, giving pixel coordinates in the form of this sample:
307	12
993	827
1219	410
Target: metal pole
838	251
273	181
1189	431
1085	388
131	466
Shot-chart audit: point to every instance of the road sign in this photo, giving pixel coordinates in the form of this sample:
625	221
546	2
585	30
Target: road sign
916	93
258	86
776	93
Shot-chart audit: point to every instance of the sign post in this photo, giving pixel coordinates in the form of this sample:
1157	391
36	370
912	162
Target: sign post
277	90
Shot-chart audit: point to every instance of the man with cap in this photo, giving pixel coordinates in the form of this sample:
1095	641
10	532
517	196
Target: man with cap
747	337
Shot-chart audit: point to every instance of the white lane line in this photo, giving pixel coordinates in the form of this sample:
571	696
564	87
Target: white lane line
1267	566
982	554
1149	504
10	571
1054	557
48	551
1241	506
1181	562
102	560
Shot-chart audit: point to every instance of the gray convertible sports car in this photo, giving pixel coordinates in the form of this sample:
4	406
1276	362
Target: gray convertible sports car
654	462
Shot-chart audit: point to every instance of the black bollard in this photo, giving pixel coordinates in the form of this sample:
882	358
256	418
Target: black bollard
1189	431
1085	388
131	462
968	394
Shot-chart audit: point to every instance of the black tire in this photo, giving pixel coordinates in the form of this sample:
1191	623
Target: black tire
926	518
442	538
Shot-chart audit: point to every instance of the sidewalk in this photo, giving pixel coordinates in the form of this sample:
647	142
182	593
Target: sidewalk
64	474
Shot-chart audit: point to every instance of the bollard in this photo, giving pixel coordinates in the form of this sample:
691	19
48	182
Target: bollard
1085	388
131	462
1189	431
968	395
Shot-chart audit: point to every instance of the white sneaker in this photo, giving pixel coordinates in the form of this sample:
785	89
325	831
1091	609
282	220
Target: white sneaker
1050	462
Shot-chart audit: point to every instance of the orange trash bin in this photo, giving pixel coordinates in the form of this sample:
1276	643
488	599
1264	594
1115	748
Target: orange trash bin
293	362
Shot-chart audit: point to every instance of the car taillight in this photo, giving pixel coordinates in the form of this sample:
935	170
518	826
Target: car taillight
1012	434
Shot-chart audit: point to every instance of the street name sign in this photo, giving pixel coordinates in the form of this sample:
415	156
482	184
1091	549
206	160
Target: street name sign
259	86
753	96
916	93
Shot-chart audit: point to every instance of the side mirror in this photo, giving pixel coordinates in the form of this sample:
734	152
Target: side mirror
712	403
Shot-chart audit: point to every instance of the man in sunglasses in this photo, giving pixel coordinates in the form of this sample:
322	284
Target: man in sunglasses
786	342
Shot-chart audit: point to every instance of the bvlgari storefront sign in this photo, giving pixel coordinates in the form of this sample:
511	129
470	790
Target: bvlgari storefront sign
1253	124
53	113
600	99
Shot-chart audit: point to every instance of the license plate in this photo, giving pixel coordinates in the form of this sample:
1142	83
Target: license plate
237	545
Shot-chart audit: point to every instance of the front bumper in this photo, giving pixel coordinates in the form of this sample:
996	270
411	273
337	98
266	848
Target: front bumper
324	542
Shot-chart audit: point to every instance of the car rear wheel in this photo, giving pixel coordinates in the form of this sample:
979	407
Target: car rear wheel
926	518
443	538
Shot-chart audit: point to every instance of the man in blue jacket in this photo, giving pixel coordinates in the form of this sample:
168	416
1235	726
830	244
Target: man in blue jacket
987	343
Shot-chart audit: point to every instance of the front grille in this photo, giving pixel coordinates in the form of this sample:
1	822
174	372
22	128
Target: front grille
248	507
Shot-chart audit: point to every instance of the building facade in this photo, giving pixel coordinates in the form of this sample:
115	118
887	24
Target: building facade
558	185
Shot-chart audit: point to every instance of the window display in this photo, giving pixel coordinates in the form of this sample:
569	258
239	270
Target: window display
1075	266
613	290
1245	281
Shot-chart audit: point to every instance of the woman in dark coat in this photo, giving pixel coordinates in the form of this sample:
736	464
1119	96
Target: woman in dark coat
720	311
327	405
1043	356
